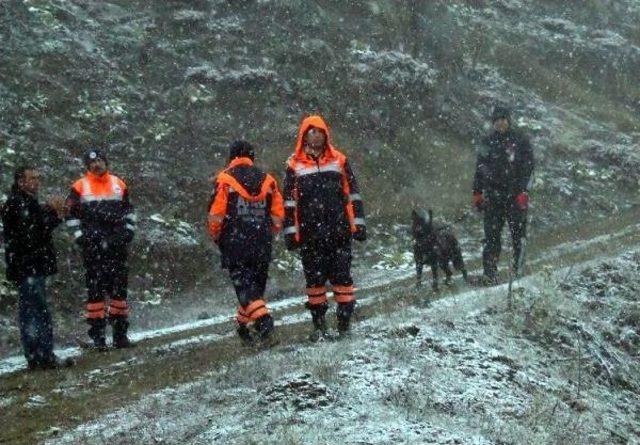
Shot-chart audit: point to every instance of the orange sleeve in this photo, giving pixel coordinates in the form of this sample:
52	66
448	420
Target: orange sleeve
218	210
277	207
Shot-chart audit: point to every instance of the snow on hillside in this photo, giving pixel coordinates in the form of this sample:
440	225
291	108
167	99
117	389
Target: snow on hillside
560	368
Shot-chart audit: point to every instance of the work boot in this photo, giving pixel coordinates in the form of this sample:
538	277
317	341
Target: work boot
264	326
120	339
319	328
343	327
244	334
96	332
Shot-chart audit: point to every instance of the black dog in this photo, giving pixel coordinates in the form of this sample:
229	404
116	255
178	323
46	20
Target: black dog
435	245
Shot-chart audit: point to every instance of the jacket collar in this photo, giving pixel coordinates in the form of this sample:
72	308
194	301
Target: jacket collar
95	178
240	161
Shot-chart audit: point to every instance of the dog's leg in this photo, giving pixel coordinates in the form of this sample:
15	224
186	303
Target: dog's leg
434	272
458	262
447	272
419	266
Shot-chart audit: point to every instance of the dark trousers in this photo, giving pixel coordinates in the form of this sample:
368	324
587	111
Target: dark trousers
36	327
249	280
324	261
495	215
106	277
106	274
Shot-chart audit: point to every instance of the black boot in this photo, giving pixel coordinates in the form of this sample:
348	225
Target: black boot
318	312
97	328
264	326
120	327
343	314
244	334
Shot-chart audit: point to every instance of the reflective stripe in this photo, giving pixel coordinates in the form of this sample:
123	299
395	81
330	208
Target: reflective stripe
355	197
290	204
216	218
95	310
331	167
256	309
343	289
315	300
130	227
77	234
132	217
93	198
73	223
359	221
344	298
290	230
118	307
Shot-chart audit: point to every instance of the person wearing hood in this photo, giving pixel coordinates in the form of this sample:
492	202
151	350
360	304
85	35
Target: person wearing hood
323	212
102	221
31	257
500	189
245	209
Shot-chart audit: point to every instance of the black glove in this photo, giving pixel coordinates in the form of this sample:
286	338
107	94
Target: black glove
291	243
360	234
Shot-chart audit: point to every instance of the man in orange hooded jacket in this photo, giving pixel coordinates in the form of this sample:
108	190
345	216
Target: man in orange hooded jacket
323	212
245	209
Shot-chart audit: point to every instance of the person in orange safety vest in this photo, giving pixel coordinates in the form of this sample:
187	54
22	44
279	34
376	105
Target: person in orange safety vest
102	221
323	212
246	208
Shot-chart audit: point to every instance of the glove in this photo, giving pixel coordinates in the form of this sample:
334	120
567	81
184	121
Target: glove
360	234
522	201
477	201
291	243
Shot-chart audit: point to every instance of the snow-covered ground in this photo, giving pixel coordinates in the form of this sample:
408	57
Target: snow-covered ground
560	368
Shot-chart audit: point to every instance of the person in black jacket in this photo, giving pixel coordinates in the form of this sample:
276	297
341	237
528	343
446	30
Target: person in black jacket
500	189
102	220
30	258
323	213
245	210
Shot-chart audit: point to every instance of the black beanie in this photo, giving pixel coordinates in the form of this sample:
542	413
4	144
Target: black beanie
92	154
500	112
240	149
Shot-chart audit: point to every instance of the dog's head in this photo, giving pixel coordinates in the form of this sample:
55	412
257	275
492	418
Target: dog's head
422	222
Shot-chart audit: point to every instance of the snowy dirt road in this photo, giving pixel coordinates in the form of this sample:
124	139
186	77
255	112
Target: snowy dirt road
41	405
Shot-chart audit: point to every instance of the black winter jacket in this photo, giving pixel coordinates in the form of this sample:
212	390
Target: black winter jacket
505	164
28	225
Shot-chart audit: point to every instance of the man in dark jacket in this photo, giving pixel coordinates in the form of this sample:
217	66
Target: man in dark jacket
245	209
103	223
500	189
30	258
323	212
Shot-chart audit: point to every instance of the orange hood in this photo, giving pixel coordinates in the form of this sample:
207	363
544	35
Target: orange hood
318	122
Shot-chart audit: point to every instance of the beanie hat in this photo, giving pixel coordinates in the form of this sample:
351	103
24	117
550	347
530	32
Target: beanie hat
241	149
92	154
500	112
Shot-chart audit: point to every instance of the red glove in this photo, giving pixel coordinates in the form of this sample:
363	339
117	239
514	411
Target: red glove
477	200
522	201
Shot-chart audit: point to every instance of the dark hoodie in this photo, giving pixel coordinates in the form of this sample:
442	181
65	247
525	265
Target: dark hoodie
244	210
29	250
505	164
